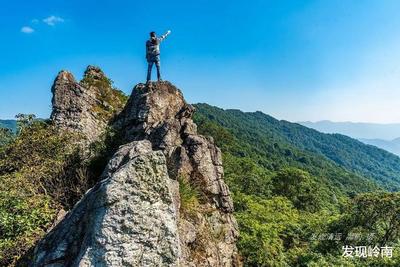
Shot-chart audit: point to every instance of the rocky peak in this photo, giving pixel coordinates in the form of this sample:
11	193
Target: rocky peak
159	113
87	106
94	72
138	215
65	76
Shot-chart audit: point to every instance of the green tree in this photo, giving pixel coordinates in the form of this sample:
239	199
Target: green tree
377	213
24	121
6	136
298	186
40	172
264	225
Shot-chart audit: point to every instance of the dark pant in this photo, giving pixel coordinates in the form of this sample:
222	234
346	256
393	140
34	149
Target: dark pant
150	66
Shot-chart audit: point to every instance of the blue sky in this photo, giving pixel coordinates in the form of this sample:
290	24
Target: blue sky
295	60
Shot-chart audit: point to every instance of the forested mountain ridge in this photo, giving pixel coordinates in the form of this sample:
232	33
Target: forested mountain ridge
287	197
352	155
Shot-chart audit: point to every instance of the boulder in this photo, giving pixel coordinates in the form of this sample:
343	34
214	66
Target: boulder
127	219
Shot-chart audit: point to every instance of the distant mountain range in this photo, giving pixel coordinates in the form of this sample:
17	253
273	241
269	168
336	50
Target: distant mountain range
277	143
392	146
385	136
356	129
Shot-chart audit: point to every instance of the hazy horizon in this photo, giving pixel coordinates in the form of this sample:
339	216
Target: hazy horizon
370	131
354	122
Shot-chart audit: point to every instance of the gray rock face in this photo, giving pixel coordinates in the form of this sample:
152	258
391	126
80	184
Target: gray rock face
128	219
82	107
71	107
136	215
159	113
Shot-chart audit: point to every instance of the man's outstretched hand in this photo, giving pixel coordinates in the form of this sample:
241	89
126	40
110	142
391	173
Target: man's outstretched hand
164	36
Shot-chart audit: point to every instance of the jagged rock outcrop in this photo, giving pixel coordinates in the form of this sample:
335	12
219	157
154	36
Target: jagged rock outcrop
136	215
85	107
159	113
127	219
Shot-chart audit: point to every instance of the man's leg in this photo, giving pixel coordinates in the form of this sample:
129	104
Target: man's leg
158	70
149	67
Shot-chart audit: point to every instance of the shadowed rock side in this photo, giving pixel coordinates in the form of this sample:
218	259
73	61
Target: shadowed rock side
135	216
85	107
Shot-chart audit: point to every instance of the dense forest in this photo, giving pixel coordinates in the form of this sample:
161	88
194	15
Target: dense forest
300	195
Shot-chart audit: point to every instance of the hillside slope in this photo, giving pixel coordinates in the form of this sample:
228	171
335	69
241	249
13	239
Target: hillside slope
286	192
345	161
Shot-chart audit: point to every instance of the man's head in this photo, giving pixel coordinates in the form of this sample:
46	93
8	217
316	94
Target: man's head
152	34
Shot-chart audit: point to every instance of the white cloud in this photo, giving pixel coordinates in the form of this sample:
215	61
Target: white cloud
27	29
50	21
53	20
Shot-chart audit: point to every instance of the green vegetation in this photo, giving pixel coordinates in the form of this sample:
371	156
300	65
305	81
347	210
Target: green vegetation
367	161
250	142
299	187
6	136
262	223
189	195
286	193
33	167
110	99
376	213
275	136
42	170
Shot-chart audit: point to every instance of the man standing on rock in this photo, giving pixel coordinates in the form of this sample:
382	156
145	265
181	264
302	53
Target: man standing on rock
153	53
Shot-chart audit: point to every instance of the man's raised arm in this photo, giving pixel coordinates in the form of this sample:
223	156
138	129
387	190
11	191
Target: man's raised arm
164	36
